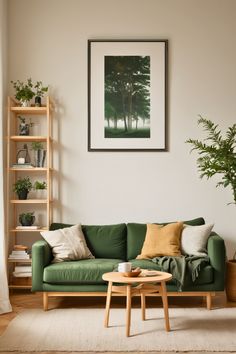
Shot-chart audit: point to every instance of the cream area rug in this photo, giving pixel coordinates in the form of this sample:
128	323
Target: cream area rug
82	330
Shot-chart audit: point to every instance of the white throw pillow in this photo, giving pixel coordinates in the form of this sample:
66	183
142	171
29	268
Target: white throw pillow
67	244
194	239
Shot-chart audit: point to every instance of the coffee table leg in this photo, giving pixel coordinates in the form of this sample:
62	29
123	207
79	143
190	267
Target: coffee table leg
143	306
128	309
108	303
165	305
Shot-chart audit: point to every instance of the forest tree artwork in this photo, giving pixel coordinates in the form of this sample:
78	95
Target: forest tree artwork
127	97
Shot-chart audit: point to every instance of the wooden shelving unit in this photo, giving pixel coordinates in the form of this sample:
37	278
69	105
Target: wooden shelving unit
14	205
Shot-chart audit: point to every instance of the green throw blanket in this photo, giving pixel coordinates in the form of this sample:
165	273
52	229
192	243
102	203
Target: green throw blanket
179	266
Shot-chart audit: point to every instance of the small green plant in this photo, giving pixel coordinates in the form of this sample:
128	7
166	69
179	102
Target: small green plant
37	145
22	184
27	216
23	121
40	185
24	91
40	90
27	219
218	156
22	187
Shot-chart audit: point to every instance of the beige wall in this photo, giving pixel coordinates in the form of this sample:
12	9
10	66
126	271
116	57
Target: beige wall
48	41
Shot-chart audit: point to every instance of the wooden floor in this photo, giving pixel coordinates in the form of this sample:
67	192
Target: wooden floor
21	300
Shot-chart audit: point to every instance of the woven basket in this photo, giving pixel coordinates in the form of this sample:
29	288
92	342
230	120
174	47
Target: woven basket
231	280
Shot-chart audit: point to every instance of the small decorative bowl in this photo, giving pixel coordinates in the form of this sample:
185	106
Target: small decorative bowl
132	274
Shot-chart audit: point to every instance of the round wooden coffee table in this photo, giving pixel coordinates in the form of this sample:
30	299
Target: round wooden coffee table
145	285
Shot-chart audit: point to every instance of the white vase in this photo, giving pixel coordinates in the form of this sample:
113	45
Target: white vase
24	103
41	194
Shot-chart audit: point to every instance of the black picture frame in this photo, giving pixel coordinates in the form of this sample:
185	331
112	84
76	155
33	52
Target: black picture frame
108	129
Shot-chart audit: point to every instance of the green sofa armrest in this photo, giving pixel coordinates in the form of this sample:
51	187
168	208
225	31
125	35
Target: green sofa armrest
217	254
41	257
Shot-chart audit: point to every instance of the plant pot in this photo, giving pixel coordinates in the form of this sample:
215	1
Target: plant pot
39	157
41	194
24	103
26	221
231	279
37	101
24	129
22	195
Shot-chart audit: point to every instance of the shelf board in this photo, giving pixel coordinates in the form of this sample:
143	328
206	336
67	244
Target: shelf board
30	110
19	260
25	138
20	286
29	201
30	230
33	169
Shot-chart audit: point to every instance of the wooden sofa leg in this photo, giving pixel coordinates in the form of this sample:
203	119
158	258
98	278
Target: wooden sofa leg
45	301
208	301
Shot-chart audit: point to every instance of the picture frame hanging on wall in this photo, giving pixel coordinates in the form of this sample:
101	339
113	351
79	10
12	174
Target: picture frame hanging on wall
127	95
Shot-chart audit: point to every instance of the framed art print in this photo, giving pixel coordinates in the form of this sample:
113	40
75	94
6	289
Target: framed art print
127	95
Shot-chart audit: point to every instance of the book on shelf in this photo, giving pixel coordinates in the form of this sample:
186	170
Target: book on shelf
22	271
13	256
22	275
32	227
22	165
19	254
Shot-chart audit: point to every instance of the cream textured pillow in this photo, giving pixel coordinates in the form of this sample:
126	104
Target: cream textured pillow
194	239
162	240
67	244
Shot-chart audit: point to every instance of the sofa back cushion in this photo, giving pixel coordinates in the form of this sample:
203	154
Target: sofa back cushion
104	241
107	241
136	235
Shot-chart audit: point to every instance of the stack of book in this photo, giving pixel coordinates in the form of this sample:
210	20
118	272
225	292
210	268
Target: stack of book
32	227
22	271
22	165
19	252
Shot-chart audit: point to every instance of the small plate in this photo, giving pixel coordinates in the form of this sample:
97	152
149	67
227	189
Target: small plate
149	273
131	274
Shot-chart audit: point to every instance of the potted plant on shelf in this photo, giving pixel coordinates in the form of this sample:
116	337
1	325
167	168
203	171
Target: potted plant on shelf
219	158
40	188
24	91
24	127
40	90
39	153
22	187
27	219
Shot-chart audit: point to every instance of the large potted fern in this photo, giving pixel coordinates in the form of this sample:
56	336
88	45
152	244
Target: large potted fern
218	157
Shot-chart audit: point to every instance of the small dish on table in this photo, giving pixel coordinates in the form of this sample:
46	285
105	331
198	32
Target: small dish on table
134	273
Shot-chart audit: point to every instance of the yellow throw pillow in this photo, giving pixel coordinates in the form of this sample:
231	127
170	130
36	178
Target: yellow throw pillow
162	241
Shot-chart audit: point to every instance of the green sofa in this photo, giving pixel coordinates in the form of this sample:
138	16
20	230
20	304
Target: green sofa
112	244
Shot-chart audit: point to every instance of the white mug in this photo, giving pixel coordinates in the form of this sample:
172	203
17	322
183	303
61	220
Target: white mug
124	267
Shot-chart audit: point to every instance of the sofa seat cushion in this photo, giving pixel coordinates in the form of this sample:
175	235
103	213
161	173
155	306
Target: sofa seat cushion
86	271
145	264
206	275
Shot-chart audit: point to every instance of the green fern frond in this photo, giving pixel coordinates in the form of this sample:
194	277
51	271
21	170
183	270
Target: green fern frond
217	154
